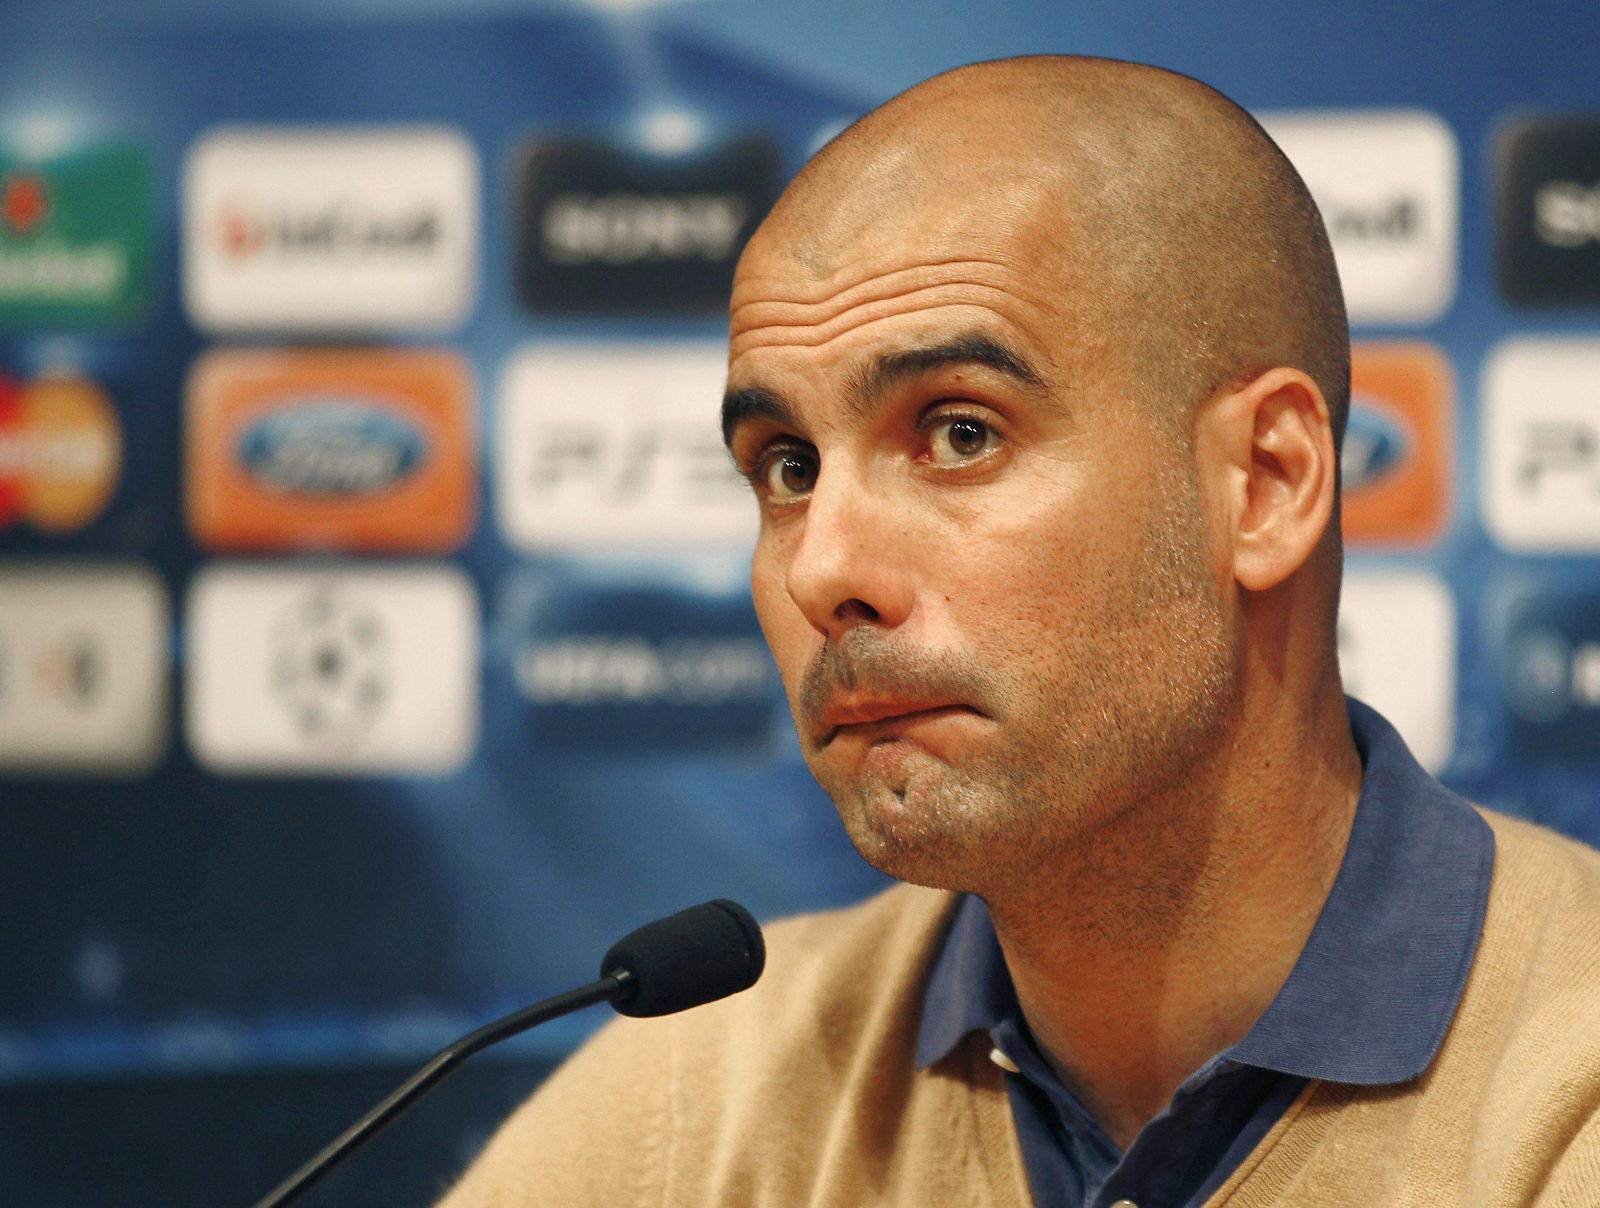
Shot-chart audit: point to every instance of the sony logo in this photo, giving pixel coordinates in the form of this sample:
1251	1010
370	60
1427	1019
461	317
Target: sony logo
626	228
1566	213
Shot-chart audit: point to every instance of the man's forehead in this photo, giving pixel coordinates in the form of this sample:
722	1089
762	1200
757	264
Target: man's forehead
917	293
821	244
1010	256
898	313
920	239
809	275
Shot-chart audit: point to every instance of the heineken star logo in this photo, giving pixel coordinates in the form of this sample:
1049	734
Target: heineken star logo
23	202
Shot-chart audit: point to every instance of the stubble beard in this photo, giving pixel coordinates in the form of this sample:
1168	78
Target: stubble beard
1085	741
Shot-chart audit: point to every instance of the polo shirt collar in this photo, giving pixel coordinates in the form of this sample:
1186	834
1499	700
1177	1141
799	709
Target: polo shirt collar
1373	992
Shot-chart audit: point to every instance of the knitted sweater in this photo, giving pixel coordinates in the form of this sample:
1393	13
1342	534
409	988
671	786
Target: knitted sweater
802	1091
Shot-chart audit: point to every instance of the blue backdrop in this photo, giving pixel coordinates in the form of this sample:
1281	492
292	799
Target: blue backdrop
207	967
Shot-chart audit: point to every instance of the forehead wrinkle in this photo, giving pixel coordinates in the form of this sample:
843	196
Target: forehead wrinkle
788	304
974	294
823	289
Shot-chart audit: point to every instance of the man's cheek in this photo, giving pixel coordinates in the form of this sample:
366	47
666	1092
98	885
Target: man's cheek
789	635
766	592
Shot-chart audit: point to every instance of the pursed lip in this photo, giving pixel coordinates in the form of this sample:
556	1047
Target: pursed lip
859	713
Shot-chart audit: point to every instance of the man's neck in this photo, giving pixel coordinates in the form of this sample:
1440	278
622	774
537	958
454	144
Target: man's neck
1157	942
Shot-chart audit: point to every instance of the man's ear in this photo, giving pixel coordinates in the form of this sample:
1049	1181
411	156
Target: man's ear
1265	451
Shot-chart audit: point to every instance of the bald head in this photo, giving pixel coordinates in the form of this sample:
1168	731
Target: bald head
1177	234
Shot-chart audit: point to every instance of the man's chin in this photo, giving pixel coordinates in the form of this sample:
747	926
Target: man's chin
905	826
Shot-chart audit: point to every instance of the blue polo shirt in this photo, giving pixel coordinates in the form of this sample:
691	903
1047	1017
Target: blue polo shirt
1368	1001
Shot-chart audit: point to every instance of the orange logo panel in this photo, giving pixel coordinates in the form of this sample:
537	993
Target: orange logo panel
331	449
60	452
1397	448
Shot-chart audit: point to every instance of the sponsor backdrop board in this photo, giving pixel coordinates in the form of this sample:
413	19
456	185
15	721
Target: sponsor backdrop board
374	639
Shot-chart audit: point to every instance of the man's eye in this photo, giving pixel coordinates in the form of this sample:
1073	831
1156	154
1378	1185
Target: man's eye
788	474
960	438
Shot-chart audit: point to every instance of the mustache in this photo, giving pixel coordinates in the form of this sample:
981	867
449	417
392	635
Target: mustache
866	662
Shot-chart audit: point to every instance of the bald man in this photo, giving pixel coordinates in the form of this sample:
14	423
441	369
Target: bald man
1038	374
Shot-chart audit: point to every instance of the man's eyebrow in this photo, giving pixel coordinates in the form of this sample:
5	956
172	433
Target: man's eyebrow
754	402
971	348
864	387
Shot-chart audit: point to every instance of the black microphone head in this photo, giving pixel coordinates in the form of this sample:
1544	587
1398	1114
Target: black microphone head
696	956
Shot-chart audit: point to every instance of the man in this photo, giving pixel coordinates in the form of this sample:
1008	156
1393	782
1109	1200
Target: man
1038	373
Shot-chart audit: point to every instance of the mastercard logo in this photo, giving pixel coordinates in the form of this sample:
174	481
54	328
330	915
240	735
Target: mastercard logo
60	452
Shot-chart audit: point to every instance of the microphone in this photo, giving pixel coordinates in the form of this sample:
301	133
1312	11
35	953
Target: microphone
695	956
687	959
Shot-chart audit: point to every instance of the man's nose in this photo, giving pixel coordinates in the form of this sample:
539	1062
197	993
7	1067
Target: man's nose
851	564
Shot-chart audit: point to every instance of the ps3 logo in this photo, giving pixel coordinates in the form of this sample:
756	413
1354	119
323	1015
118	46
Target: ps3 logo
661	462
614	445
1555	447
331	446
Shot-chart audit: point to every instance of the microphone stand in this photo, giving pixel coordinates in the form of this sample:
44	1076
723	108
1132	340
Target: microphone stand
610	988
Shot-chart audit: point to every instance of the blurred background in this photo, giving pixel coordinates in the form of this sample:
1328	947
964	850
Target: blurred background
374	640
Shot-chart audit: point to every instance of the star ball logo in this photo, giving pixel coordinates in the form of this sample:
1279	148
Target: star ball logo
60	452
330	666
76	238
331	670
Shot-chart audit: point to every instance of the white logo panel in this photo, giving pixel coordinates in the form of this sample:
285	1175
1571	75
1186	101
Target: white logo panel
354	670
1397	652
83	669
617	446
1387	184
340	229
1541	444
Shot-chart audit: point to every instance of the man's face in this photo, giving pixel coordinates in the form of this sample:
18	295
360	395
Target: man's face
983	566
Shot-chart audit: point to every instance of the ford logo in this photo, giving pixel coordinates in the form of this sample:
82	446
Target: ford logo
1375	443
331	445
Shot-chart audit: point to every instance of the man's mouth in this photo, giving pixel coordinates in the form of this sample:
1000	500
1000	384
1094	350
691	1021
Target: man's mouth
863	715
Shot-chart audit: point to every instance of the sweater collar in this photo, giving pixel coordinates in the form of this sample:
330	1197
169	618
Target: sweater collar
1376	986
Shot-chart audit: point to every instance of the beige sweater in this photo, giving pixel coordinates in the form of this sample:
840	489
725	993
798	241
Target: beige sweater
802	1091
